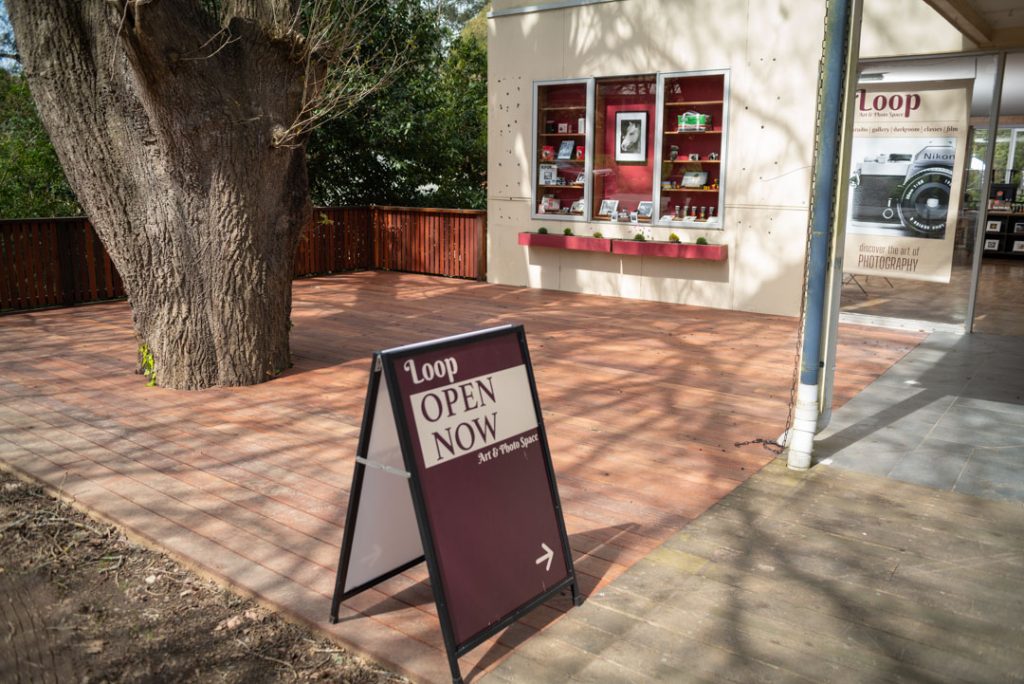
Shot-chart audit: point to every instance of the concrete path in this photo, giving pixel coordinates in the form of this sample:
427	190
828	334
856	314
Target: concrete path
827	576
949	415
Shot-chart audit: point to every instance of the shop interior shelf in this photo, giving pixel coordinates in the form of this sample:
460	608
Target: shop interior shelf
694	103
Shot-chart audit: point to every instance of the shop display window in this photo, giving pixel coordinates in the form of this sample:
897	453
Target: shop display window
639	149
624	150
691	179
562	140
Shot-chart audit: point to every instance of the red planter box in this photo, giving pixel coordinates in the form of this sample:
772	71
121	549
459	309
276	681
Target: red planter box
671	250
574	242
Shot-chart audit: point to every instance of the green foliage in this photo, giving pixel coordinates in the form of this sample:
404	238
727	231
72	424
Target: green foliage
702	241
32	182
476	27
420	141
567	231
639	237
146	365
672	237
542	230
598	234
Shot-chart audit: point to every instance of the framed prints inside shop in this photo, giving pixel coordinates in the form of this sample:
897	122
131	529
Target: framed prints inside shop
648	148
561	157
623	173
691	147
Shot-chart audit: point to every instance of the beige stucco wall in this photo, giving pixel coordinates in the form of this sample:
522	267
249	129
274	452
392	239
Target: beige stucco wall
771	48
893	28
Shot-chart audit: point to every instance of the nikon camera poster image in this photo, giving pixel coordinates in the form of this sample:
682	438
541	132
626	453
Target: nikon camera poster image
908	154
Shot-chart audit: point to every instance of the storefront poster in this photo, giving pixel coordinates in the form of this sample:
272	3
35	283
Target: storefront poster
908	155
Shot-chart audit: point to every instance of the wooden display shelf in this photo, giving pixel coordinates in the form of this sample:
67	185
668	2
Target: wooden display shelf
555	135
695	161
694	103
606	219
572	108
688	190
574	186
714	131
569	161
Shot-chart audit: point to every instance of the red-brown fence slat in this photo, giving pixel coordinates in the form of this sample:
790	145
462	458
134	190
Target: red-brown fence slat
32	255
90	265
5	290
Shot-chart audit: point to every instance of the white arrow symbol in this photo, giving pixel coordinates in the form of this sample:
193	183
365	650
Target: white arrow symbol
548	555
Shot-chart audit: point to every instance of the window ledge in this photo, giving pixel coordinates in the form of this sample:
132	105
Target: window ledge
649	248
574	242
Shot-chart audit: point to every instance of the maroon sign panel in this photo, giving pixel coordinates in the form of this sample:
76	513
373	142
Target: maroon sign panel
480	476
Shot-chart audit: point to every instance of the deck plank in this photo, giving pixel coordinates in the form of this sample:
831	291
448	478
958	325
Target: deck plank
644	403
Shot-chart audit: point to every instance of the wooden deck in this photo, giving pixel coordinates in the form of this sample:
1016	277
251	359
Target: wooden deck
643	402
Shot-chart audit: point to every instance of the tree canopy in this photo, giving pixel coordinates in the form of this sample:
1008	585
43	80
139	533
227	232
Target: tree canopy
422	141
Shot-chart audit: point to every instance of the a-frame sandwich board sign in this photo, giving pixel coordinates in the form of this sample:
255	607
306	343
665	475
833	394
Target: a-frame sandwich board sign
453	467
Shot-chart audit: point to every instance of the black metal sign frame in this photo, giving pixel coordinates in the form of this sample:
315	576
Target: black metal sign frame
384	368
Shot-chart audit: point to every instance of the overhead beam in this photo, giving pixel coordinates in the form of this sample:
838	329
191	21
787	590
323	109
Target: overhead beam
1012	37
966	19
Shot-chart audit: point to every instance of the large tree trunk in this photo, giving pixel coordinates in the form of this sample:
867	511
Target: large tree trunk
164	118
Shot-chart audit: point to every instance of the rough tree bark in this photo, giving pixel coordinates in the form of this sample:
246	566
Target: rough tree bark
164	117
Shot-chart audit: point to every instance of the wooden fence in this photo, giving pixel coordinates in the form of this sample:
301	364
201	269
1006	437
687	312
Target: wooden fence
60	262
54	262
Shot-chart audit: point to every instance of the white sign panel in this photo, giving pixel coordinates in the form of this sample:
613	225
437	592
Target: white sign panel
463	417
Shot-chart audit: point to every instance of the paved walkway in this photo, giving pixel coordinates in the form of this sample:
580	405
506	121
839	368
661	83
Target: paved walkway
825	576
949	415
643	403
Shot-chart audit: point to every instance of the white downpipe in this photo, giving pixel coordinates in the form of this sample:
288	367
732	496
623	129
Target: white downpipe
805	423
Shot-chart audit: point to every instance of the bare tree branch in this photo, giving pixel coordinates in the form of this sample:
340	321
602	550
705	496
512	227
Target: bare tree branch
340	69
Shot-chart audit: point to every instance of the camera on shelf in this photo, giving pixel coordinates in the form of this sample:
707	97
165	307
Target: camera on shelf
905	190
694	156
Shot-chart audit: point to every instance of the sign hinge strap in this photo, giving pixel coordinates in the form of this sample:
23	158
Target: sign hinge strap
380	466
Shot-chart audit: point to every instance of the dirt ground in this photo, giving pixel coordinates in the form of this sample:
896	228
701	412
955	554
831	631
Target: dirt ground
80	603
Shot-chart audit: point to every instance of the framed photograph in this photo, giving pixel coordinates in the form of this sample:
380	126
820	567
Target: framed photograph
580	152
1018	228
608	207
550	205
645	209
563	128
991	245
577	207
547	152
1018	246
993	226
631	137
581	179
548	174
694	179
565	149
